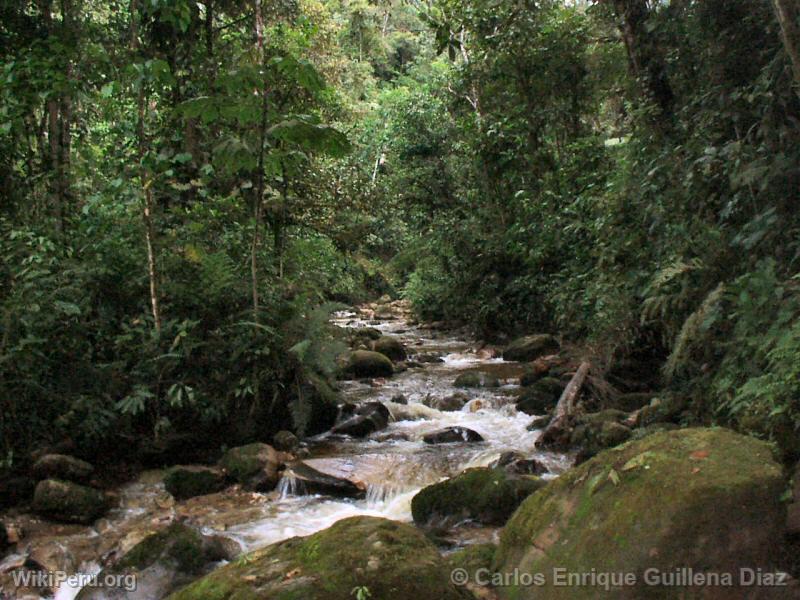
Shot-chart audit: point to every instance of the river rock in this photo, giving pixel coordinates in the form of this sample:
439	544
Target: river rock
387	558
428	358
285	441
390	347
484	495
364	363
68	502
64	467
597	431
540	397
365	419
473	379
256	466
540	422
452	434
399	399
189	481
702	499
160	564
305	479
531	347
515	463
450	403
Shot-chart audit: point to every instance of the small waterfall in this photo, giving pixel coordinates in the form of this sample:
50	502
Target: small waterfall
290	485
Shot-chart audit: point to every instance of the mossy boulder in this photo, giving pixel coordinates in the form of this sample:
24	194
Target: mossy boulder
702	499
256	466
390	347
450	435
597	431
190	481
64	467
540	397
390	559
365	363
484	495
450	403
531	347
161	563
472	558
666	409
474	379
68	501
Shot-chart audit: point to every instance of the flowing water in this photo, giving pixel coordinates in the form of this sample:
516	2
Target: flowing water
393	464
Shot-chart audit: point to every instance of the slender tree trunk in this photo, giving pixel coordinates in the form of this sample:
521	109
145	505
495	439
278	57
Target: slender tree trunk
144	176
787	13
259	192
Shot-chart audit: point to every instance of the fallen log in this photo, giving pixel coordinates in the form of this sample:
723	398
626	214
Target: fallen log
557	432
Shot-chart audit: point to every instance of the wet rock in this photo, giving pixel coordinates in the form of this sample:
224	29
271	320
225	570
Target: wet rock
61	466
256	466
632	401
364	363
449	403
15	490
68	502
515	463
667	409
391	347
531	347
189	481
487	496
365	419
535	371
390	559
369	333
399	399
428	358
474	379
473	557
304	479
701	499
597	431
541	397
285	441
452	434
540	423
160	564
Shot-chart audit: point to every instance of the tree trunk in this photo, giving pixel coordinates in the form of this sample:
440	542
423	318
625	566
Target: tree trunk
787	13
144	176
556	432
259	191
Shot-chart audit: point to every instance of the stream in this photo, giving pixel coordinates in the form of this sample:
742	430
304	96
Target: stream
393	464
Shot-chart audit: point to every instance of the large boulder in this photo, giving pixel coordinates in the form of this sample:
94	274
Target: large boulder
531	347
190	481
302	479
68	501
386	558
364	363
450	403
160	564
256	466
484	495
541	397
390	347
701	499
365	419
285	441
453	434
64	467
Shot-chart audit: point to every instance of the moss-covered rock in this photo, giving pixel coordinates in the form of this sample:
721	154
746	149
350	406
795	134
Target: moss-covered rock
68	501
364	363
285	441
390	559
449	403
540	397
531	347
665	409
390	347
472	558
485	495
161	563
190	481
474	379
64	467
256	466
705	499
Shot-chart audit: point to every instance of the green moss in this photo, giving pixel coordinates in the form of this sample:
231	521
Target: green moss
701	498
244	462
485	495
472	558
392	559
69	502
177	543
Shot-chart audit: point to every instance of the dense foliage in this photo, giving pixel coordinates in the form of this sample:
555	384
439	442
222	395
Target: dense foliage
187	185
